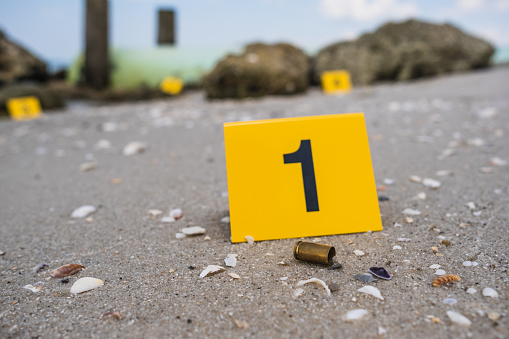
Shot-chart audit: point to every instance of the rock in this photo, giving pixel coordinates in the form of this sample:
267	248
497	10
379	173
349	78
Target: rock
48	98
261	70
17	63
403	51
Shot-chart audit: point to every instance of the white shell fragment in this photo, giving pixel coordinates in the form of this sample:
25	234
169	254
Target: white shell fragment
371	290
489	292
471	205
176	213
83	211
471	290
249	239
134	147
498	161
396	247
86	284
225	220
88	166
421	196
358	253
155	213
388	181
415	178
211	269
33	288
432	183
194	230
354	315
409	211
316	281
298	292
458	319
167	219
234	275
470	263
440	272
450	301
403	239
231	260
435	266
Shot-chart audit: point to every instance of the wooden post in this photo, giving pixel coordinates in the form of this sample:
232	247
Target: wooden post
166	33
97	66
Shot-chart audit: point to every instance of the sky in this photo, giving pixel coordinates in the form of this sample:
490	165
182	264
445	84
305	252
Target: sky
54	29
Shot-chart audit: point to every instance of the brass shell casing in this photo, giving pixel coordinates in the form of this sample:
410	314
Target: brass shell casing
318	253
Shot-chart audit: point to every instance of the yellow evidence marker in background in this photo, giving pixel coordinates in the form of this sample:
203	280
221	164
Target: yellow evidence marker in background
300	177
334	82
171	85
24	108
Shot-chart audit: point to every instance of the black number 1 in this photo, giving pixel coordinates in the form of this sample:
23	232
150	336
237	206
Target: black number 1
305	157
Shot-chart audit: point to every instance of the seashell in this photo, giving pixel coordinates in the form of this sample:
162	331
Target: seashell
498	161
249	239
489	292
396	247
167	219
443	173
66	270
471	290
2	253
446	279
358	253
380	272
316	281
225	220
409	211
494	316
111	315
240	324
40	267
403	239
298	292
471	205
83	211
155	213
194	230
371	290
431	183
180	236
476	142
354	315
365	278
134	147
434	249
435	266
440	272
207	238
388	181
32	288
458	319
176	213
86	284
234	275
231	260
88	166
409	220
103	144
211	269
421	196
450	301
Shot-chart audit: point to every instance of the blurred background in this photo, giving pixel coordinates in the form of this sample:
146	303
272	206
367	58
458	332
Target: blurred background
133	45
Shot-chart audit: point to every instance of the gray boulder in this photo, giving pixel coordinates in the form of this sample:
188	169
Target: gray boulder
16	63
403	51
261	70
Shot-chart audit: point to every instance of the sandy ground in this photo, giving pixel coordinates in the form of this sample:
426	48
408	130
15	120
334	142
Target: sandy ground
457	123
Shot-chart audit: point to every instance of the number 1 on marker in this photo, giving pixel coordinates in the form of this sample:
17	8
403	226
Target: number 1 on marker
304	156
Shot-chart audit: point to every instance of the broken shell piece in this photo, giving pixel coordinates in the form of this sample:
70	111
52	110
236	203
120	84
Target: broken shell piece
489	292
180	236
225	220
66	270
234	275
298	292
354	315
134	147
365	278
358	253
498	161
458	319
409	220
421	196
211	269
415	178
431	183
86	284
380	272
249	239
155	213
111	315
167	219
40	267
88	166
194	230
207	238
440	272
176	213
83	211
471	205
435	266
33	288
371	290
471	290
240	324
231	260
316	281
494	316
434	249
409	211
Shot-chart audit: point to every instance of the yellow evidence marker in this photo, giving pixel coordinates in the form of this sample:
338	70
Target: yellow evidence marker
171	85
334	82
300	177
24	108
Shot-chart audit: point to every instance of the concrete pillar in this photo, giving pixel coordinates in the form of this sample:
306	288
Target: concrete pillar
97	65
166	26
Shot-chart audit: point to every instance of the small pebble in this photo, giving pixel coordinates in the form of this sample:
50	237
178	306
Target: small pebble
443	173
83	211
494	316
496	161
88	166
489	292
409	220
225	220
403	239
194	230
450	301
249	239
334	287
134	147
431	183
355	315
471	290
421	196
388	181
383	198
458	319
415	178
176	213
435	266
396	247
409	211
471	205
180	235
358	253
335	266
477	213
440	272
167	219
365	278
